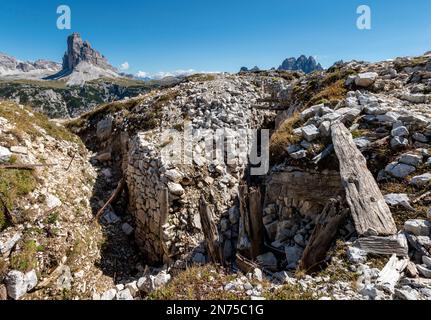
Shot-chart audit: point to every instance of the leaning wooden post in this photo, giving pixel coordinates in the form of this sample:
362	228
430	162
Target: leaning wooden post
327	226
370	212
210	231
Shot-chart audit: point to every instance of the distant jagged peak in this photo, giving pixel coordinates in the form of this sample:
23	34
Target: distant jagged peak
81	51
307	65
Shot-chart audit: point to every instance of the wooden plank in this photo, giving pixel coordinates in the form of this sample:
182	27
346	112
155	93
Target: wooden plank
384	245
210	231
244	243
327	225
257	229
251	228
112	199
391	274
370	212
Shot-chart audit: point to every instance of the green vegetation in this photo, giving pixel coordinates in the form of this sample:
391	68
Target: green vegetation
200	77
27	121
284	137
14	184
291	292
26	259
401	64
327	88
51	84
198	283
333	94
338	269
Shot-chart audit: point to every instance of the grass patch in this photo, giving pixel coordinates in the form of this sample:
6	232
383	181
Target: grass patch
200	77
284	137
333	93
27	121
198	283
338	269
401	64
328	88
14	184
51	84
26	259
291	292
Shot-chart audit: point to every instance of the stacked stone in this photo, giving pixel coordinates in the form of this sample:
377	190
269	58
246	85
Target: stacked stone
145	188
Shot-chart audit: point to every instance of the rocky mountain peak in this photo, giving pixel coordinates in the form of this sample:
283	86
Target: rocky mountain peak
307	65
81	51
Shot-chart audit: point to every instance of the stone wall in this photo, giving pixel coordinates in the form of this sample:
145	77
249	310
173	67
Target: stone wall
147	194
294	198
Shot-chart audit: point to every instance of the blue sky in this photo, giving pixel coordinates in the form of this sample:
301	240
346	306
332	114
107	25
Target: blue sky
217	35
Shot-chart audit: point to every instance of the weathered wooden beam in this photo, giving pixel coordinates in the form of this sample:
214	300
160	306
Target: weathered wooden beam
210	231
391	273
327	226
384	245
257	229
120	187
252	230
370	212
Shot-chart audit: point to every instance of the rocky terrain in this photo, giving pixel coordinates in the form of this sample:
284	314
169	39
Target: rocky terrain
84	81
343	211
301	64
11	68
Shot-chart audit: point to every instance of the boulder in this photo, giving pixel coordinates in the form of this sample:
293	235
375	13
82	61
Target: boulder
398	199
124	295
268	261
5	154
104	128
19	150
417	136
366	79
406	293
8	242
411	159
422	180
175	189
424	271
311	112
108	295
150	283
127	229
400	132
293	255
52	202
356	255
389	117
427	261
64	281
399	170
310	132
18	283
418	227
325	128
174	175
398	143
